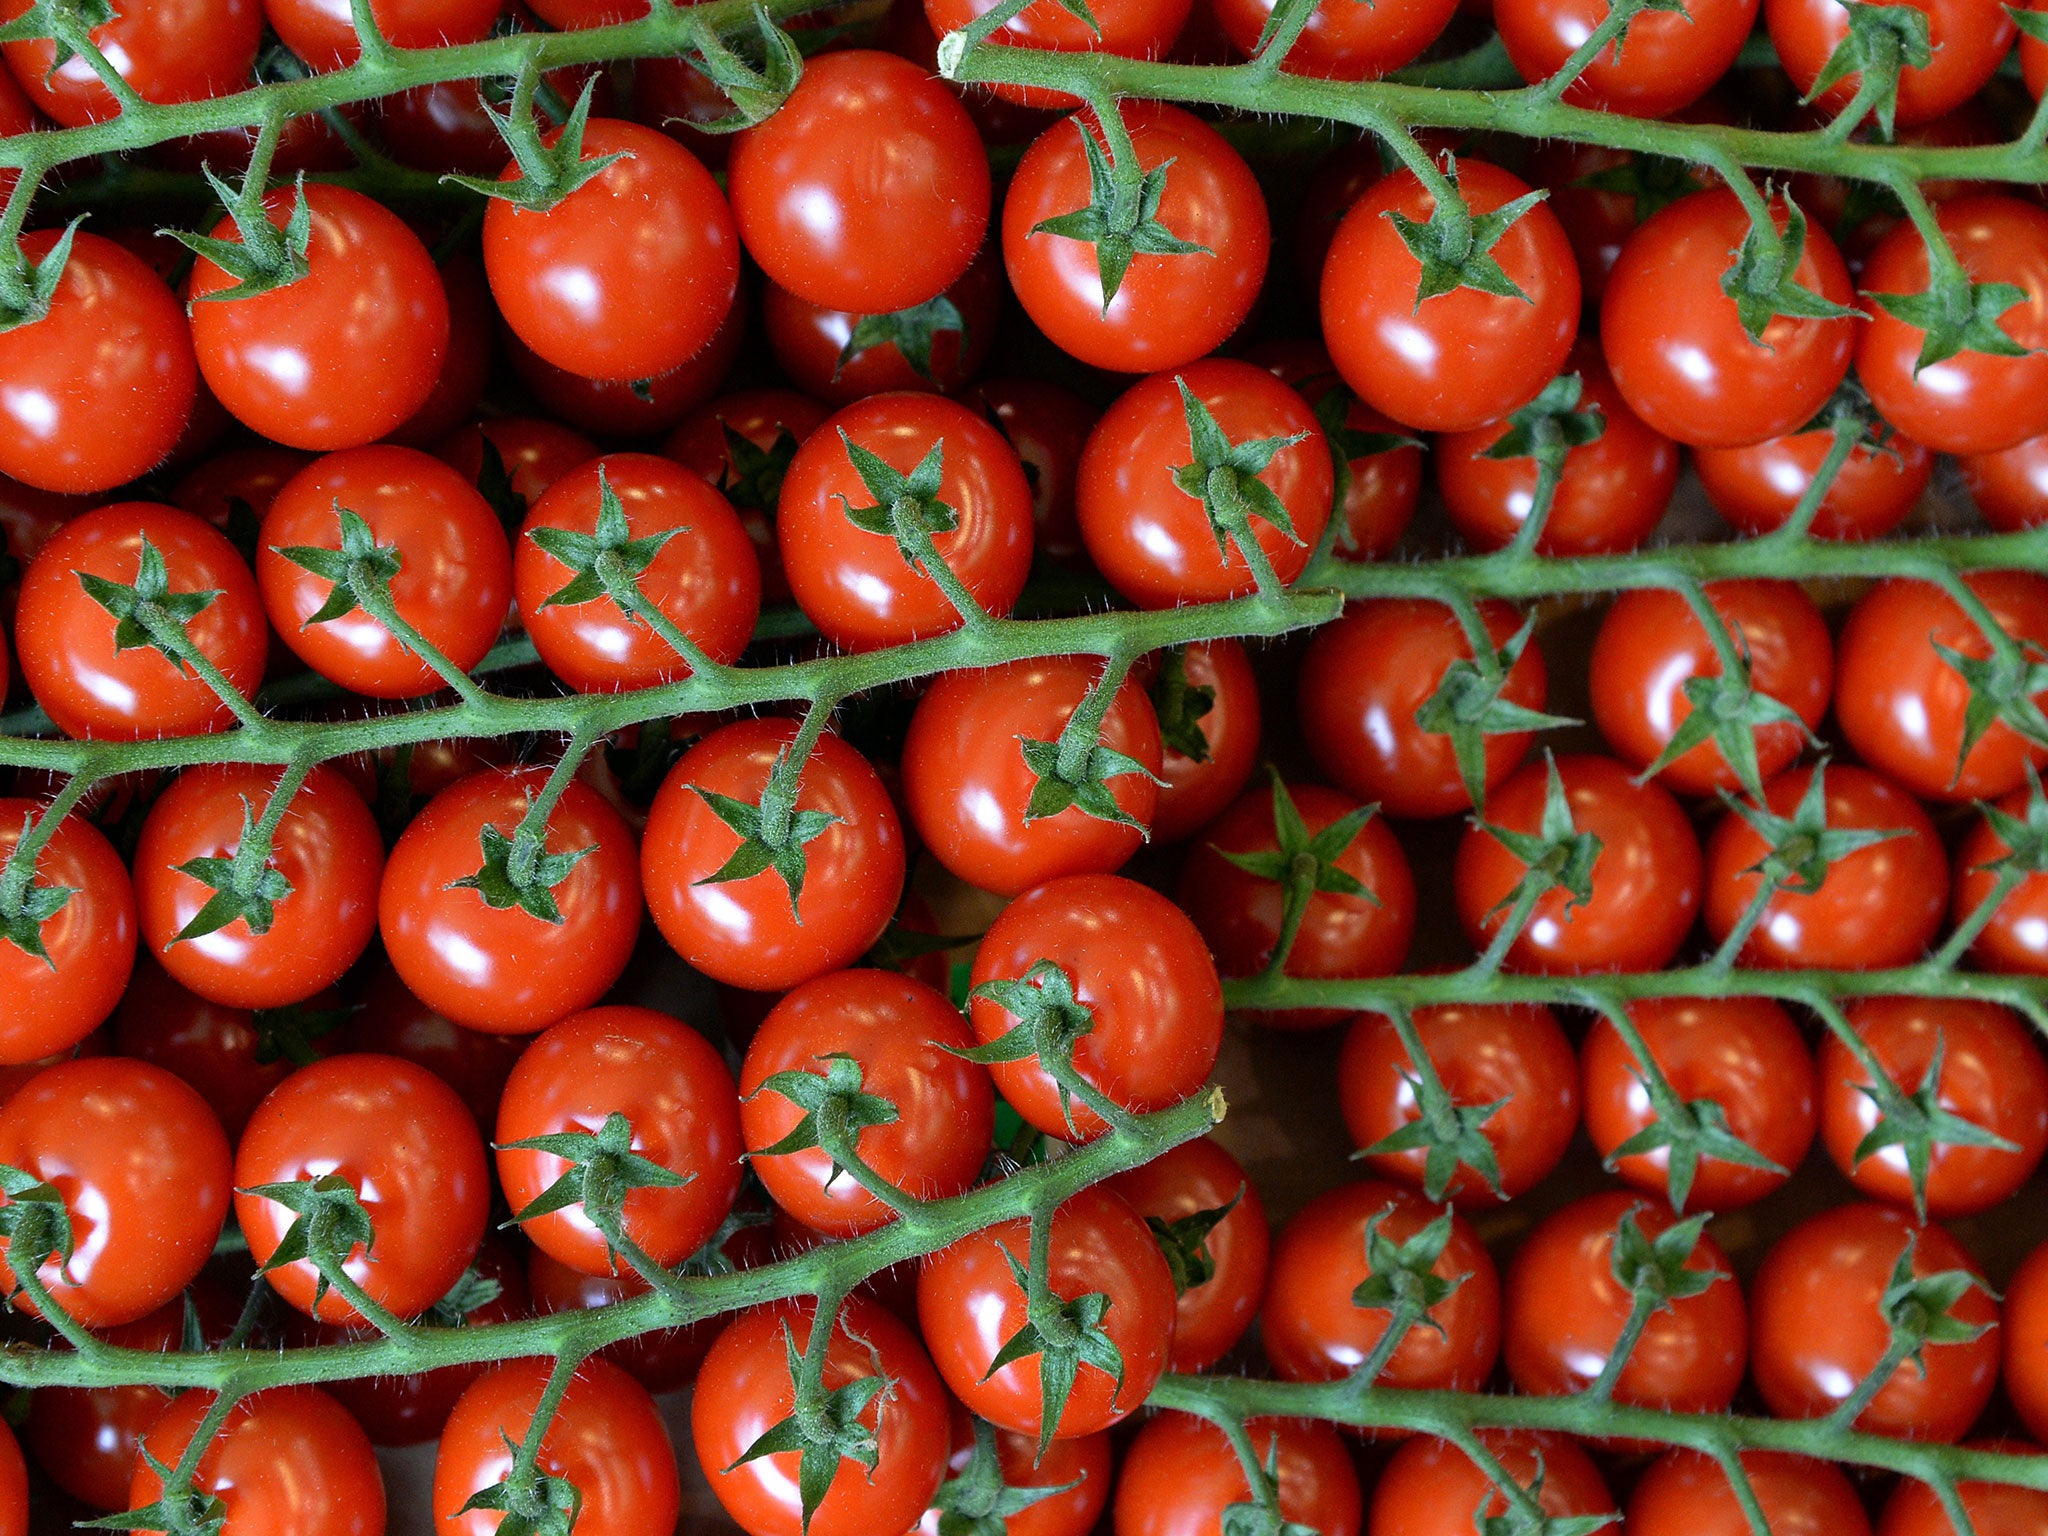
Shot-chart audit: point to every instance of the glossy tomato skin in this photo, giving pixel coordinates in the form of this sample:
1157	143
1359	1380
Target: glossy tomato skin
503	969
1180	1474
867	191
1817	1327
2016	938
1340	42
1967	41
1678	350
1365	676
1137	963
969	1304
1511	1055
453	584
1199	1176
1645	881
1565	1312
1902	704
1340	936
744	932
705	579
1879	906
676	1092
320	32
142	1165
534	451
1686	1493
2026	1341
1664	64
905	1037
251	476
1312	1330
606	1438
1431	1488
49	1005
1383	488
1652	643
744	1389
1743	1053
407	1144
285	1459
635	408
1155	542
1611	494
169	52
345	354
1756	487
1992	1075
64	641
1081	1466
967	785
572	281
1198	788
1460	359
2010	486
327	846
213	1047
101	388
1169	309
855	585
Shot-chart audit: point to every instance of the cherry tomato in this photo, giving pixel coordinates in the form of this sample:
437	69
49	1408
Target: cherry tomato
1652	645
1968	43
1133	29
712	444
102	386
1992	1076
750	932
868	190
343	355
1169	309
168	51
968	785
285	1459
50	1002
466	365
745	1389
1461	359
1686	1493
220	1051
2026	1340
410	1150
502	968
142	1166
1207	700
1431	1488
533	451
1743	1054
1600	194
1180	1475
1343	42
390	1021
2016	938
1192	1179
1994	1509
1757	487
1644	882
1080	1467
1154	541
856	585
2009	486
969	1305
1677	347
234	489
1877	906
321	33
1665	62
1511	1056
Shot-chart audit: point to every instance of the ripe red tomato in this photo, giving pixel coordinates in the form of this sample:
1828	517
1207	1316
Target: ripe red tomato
1972	402
1994	1509
410	1150
744	1389
749	933
1461	359
1048	426
50	1002
1652	644
1677	346
607	1439
1665	63
1512	1056
170	51
142	1165
1992	1075
2026	1341
250	476
1343	42
1132	29
100	389
320	32
1686	1493
905	1038
1757	487
1079	1466
968	786
1611	494
1365	676
969	1305
1743	1053
868	190
571	15
854	584
503	969
466	365
1180	1475
534	452
2009	486
1152	539
1194	1177
1645	880
773	421
1170	308
677	1094
285	1459
65	640
1968	42
216	1049
327	849
1340	936
1878	906
1311	1328
571	281
704	579
345	354
1902	704
2016	938
1431	1488
1210	745
389	1021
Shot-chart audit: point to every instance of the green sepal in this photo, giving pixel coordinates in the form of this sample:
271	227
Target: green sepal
540	1504
975	1501
1654	182
1261	1515
1656	1267
39	280
756	91
1058	1364
1181	706
603	1169
1050	1019
471	1290
756	852
841	1083
1803	846
1457	252
906	508
191	1513
547	172
2002	688
1120	219
1468	707
1449	1134
242	886
360	565
1526	1517
1296	847
1762	281
751	476
581	552
1916	1123
911	332
329	1223
825	1438
1558	856
494	484
1401	1277
2025	836
1880	39
1920	1308
1700	1129
1224	476
21	922
1550	422
287	1033
36	1223
1086	789
149	596
534	895
1953	327
261	261
1728	710
1184	1243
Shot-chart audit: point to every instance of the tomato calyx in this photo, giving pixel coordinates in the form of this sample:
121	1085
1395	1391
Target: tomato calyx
1453	1134
245	884
1181	706
1728	710
824	1428
2002	689
1303	866
67	23
1881	40
519	871
910	331
1919	1310
1916	1123
772	834
1656	1273
603	1169
1655	182
329	1224
1184	1243
975	1501
28	288
148	612
1454	246
907	509
548	173
1957	315
1557	856
37	1225
1468	705
1401	1280
751	476
179	1510
1224	478
264	258
26	905
287	1033
534	1503
1050	1019
1121	217
609	562
836	1109
1260	1515
756	91
1525	1515
1073	773
1762	281
475	1289
2025	838
1063	1335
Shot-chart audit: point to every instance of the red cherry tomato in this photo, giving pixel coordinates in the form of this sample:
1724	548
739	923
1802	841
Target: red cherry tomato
1665	63
1180	1474
390	1021
284	1459
1686	1493
1994	1509
712	444
631	408
1196	1177
1209	733
219	1051
2009	486
1757	487
1080	1467
321	33
533	451
169	51
1048	426
1431	1488
249	476
2016	938
2026	1341
50	1002
1343	42
466	366
1968	42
